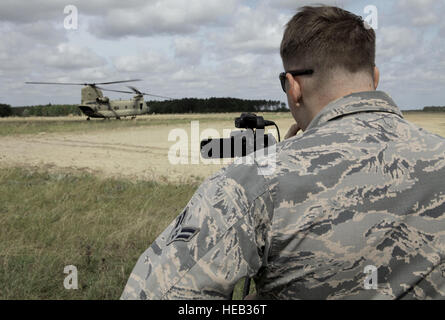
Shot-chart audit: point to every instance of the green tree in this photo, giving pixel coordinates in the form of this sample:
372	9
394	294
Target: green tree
5	110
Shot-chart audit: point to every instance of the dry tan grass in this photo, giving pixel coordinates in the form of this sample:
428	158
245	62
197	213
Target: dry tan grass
431	121
121	149
191	116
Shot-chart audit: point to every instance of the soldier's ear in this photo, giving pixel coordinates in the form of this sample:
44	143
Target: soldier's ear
376	77
293	90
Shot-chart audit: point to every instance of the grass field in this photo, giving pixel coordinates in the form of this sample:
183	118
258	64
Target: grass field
101	226
51	217
51	220
34	125
432	121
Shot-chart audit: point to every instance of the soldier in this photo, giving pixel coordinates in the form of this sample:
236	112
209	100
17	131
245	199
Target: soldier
361	189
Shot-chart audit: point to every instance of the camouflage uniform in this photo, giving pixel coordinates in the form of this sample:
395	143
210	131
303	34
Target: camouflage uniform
360	187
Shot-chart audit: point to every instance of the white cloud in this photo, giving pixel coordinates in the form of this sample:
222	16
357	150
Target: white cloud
163	17
188	49
295	4
70	57
427	19
199	48
420	12
257	30
415	4
147	62
22	11
395	41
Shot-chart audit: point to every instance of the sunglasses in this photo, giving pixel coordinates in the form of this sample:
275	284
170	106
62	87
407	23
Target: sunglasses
294	73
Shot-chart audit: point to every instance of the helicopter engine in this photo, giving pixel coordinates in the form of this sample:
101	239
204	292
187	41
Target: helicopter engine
103	100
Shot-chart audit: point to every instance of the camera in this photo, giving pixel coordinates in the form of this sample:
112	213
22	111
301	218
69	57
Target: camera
243	142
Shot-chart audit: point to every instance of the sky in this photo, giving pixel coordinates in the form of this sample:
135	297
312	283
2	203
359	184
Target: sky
200	48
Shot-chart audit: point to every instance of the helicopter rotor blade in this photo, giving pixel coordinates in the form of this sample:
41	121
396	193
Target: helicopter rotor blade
137	92
82	84
147	94
153	95
122	81
120	91
61	83
134	90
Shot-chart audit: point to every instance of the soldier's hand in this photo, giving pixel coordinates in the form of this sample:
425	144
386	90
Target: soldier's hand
293	130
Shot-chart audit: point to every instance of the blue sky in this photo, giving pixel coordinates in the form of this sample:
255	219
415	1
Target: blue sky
201	48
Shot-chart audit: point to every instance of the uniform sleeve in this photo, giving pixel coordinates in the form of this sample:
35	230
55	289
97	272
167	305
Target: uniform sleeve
219	238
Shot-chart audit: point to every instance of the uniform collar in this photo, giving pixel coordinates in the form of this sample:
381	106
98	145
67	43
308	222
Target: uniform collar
377	101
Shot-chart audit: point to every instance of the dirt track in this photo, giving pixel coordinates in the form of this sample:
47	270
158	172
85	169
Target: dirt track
134	152
140	153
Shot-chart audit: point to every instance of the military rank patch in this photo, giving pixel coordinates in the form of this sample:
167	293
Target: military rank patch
181	232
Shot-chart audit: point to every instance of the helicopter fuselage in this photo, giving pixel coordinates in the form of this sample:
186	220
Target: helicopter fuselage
95	105
104	108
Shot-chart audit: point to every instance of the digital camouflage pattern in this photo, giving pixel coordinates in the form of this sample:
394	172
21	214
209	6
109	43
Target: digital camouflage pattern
361	186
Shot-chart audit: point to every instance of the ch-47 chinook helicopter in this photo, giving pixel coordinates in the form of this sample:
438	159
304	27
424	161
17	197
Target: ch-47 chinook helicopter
95	105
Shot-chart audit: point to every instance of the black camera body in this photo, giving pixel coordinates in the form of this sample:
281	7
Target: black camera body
241	143
249	121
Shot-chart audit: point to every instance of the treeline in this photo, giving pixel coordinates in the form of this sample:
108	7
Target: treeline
186	105
215	105
434	109
48	110
5	110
